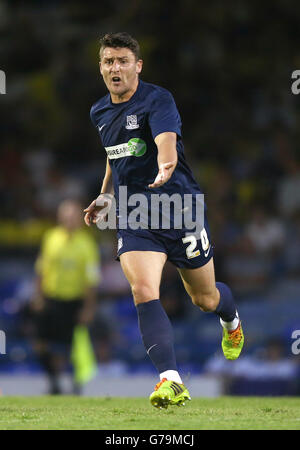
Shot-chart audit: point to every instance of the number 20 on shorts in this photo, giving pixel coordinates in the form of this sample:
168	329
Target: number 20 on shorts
191	250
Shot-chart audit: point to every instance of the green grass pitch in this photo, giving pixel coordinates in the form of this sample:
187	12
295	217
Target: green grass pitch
79	413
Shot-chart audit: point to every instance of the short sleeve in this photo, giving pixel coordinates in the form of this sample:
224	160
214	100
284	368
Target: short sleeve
164	116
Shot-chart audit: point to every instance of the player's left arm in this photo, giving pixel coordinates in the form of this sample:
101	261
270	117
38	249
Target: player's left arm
166	157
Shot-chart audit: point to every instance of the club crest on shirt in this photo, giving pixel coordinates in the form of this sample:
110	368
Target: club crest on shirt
132	123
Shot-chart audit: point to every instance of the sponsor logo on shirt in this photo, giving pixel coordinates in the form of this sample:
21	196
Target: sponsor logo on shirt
132	123
134	147
137	146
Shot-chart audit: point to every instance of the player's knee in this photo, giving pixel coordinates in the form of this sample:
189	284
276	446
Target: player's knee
206	302
143	292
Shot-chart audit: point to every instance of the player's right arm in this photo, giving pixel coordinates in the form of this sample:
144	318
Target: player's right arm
166	158
107	187
93	211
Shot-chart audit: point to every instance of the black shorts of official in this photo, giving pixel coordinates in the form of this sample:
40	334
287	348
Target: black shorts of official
182	251
56	322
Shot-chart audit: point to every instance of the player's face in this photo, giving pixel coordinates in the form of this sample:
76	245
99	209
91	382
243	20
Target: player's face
120	69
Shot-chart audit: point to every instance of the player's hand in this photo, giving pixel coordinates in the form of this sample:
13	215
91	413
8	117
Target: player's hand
164	174
93	211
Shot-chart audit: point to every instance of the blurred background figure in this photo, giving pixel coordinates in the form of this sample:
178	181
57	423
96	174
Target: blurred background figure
67	277
269	371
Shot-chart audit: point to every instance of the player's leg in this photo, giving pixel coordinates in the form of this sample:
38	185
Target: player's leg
201	285
215	297
143	270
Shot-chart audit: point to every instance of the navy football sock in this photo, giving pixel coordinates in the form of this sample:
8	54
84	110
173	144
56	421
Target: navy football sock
157	335
226	308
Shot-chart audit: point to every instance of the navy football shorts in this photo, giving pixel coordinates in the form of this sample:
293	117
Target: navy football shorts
185	252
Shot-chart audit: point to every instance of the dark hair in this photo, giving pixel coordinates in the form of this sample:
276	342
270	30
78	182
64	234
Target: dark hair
121	39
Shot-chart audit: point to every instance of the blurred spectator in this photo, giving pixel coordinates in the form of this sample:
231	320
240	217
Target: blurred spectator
248	271
267	234
268	372
55	188
291	254
66	289
289	189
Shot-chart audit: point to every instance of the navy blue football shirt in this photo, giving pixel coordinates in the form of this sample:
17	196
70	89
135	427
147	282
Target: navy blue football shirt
127	131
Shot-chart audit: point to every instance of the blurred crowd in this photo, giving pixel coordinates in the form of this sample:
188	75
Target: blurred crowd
229	68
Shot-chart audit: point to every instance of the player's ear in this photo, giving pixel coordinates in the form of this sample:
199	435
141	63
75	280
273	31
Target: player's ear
100	67
139	65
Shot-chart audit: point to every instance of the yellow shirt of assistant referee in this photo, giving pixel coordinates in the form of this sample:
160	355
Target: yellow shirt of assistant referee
69	263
